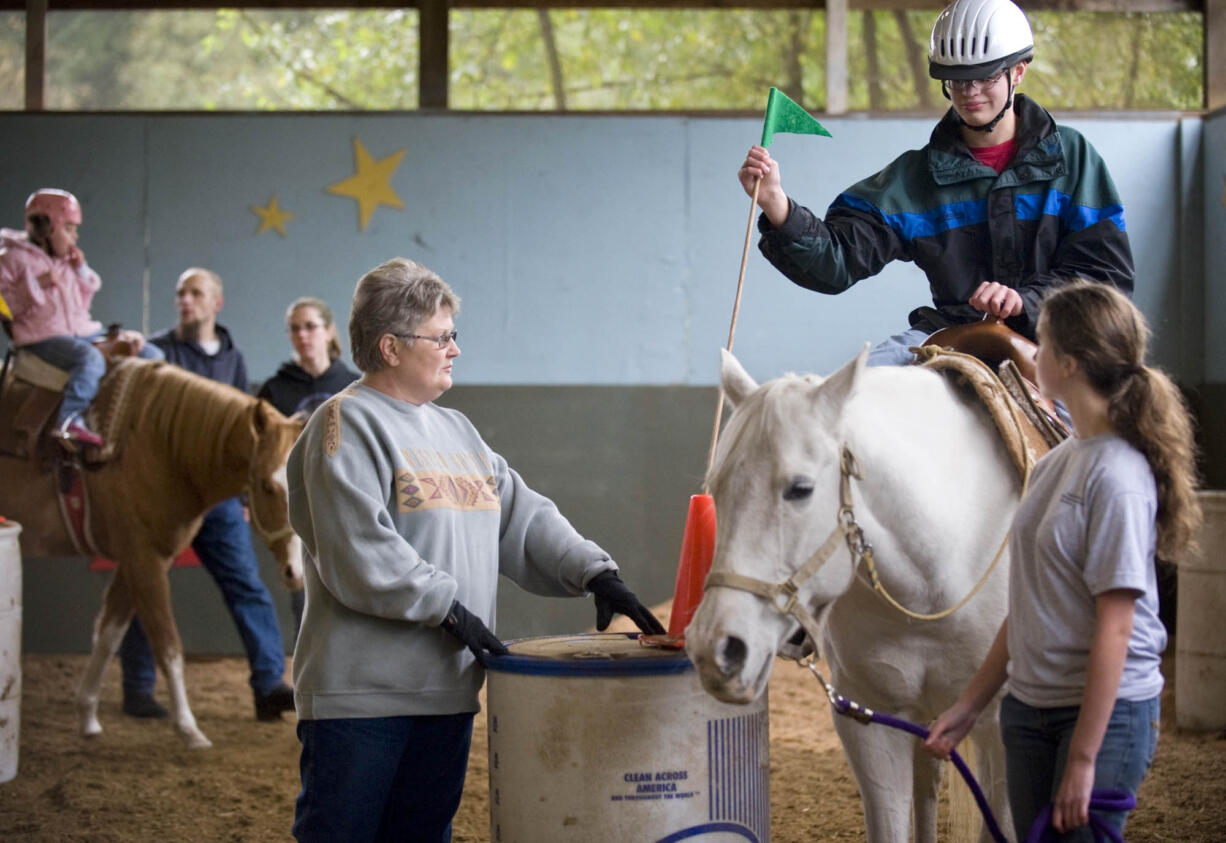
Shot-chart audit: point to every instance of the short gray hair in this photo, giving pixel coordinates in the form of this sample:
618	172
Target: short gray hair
395	297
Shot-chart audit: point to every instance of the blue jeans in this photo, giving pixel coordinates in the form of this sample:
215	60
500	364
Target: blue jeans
224	547
895	351
381	778
1036	750
85	366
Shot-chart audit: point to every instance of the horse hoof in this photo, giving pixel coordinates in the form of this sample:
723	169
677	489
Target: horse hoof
91	731
196	741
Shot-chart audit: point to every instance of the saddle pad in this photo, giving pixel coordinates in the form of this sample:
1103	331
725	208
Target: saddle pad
35	370
1023	441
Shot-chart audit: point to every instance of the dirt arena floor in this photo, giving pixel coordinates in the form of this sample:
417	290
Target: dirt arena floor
135	782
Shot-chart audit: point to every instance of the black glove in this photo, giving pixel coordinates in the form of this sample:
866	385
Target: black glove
476	636
612	596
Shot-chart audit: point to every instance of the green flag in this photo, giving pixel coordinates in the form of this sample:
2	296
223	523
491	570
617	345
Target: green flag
784	115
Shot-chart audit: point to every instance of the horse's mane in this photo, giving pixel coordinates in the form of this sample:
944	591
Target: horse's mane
758	417
193	416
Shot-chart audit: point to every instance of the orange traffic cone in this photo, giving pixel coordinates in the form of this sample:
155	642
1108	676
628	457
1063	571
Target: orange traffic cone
697	552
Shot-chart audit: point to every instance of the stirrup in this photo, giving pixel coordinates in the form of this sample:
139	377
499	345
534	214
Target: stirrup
72	435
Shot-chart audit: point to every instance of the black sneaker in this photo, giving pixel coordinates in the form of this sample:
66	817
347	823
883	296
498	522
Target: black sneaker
144	706
269	706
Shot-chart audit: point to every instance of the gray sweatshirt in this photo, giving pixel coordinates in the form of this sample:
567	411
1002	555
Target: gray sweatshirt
401	510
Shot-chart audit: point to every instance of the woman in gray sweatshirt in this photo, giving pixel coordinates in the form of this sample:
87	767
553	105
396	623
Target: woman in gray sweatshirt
407	518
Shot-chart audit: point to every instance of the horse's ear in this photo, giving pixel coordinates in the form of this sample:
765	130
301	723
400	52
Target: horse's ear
737	383
264	415
839	386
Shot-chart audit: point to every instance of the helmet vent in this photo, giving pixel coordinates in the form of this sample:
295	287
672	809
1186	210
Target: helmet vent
972	45
962	45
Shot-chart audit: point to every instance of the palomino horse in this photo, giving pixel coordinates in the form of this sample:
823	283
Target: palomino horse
182	443
897	457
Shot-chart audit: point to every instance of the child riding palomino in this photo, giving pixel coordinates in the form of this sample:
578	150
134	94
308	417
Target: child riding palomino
48	287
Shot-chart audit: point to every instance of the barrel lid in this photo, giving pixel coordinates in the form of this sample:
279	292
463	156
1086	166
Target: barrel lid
589	654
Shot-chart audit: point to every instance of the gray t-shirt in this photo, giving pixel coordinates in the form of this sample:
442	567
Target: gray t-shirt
1086	526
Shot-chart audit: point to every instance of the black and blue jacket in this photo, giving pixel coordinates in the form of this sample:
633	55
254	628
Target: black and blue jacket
1053	215
226	366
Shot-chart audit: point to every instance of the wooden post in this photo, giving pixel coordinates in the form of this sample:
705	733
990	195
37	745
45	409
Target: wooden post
1215	54
432	46
36	54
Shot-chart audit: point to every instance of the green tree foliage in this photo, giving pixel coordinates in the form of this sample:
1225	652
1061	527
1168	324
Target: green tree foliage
575	60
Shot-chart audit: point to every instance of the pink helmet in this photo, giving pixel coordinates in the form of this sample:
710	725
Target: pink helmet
59	206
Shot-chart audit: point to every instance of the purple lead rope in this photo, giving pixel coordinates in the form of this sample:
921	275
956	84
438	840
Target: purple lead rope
1100	800
845	706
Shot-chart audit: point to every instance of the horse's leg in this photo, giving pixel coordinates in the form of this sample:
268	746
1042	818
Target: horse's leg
149	585
990	757
109	628
880	759
926	772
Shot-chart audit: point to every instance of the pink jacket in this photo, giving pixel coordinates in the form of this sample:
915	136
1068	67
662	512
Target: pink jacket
48	296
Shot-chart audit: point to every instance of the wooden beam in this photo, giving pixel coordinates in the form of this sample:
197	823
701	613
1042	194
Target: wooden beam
855	5
433	40
1215	54
36	54
836	56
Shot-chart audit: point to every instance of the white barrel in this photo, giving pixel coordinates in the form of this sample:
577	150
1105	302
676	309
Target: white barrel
597	739
10	648
1200	635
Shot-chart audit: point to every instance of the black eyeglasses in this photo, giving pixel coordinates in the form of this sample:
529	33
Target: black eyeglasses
965	86
443	340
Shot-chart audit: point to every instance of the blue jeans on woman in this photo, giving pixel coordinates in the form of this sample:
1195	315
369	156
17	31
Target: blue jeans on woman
85	366
381	778
224	547
1036	751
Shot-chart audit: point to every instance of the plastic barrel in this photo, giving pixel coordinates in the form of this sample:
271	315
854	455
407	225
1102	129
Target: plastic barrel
596	738
10	648
1200	635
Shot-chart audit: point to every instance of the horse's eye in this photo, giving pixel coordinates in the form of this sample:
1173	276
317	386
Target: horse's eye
268	487
798	490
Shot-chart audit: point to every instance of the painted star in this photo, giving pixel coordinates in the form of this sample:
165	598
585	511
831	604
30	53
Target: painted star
272	216
371	185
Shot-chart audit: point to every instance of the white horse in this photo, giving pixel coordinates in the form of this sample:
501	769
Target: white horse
807	469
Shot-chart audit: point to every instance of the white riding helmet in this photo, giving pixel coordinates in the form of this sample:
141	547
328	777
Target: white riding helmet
974	39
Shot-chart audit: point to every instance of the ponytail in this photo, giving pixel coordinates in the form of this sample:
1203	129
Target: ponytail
1105	332
1149	412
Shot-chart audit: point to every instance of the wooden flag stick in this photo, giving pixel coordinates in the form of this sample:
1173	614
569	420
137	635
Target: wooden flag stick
736	308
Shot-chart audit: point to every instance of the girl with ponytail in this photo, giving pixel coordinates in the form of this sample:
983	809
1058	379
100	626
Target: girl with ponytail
1081	648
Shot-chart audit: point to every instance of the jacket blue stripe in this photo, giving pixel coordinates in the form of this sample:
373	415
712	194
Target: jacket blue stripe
912	225
1073	217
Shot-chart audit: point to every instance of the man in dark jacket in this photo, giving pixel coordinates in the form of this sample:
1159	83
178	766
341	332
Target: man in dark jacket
1000	206
197	343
